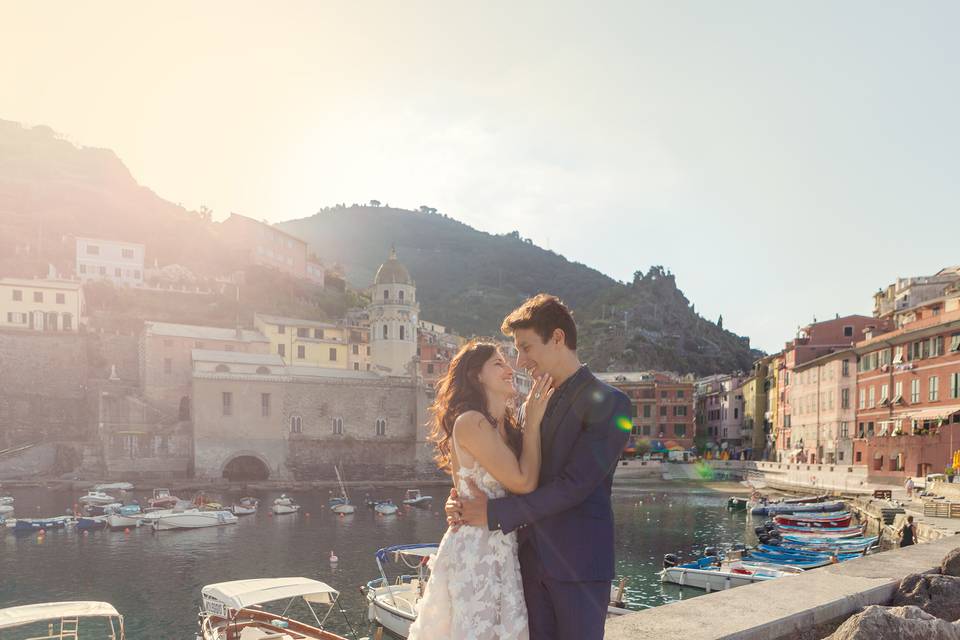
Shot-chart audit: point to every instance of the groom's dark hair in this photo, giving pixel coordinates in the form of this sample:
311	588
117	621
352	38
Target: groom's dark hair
544	314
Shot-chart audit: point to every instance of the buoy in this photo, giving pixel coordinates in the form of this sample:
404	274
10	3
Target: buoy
307	514
42	533
341	515
86	533
126	530
333	557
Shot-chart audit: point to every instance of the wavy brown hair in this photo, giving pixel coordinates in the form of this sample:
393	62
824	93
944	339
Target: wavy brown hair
460	391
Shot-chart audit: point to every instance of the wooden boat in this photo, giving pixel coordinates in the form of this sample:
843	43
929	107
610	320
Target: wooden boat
284	505
233	610
812	521
393	604
246	506
414	498
64	620
707	574
836	532
829	542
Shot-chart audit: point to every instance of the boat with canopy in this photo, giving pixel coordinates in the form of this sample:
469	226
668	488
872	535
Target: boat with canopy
64	620
393	605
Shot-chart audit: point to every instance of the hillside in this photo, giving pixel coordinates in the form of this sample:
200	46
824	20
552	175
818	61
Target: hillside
468	279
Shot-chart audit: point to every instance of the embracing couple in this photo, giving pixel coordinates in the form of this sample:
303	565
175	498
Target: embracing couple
529	551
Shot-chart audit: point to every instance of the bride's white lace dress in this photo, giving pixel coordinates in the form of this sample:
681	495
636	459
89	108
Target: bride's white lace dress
475	591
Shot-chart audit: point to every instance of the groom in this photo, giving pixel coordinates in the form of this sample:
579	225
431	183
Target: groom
566	525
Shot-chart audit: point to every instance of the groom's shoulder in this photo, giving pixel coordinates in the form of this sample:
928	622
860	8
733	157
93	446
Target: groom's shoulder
603	397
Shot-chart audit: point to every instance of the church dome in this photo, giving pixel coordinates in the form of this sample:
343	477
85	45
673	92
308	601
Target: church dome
392	271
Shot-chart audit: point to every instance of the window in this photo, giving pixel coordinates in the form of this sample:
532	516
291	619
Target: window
663	411
400	295
338	426
83	268
128	253
679	393
955	342
318	334
303	332
955	385
402	332
873	397
93	250
386	294
848	331
333	354
381	427
38	296
263	371
933	389
102	270
898	391
936	346
17	295
296	424
736	413
384	332
227	400
356	366
228	347
663	394
680	410
301	352
282	350
884	393
167	365
136	274
914	391
265	405
859	456
61	298
844	398
844	430
118	272
680	430
368	352
67	322
845	367
222	368
863	399
645	429
647	410
430	369
281	328
898	355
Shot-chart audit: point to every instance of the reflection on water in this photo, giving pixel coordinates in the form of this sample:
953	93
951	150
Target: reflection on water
154	579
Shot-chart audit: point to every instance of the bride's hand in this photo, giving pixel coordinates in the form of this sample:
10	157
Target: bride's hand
537	400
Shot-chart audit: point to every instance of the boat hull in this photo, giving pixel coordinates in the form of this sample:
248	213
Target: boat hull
194	520
787	508
285	509
395	614
344	508
116	521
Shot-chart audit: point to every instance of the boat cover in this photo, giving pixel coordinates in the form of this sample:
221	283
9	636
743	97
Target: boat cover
413	550
238	594
30	613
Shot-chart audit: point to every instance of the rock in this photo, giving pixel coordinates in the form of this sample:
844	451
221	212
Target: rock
933	593
896	623
951	563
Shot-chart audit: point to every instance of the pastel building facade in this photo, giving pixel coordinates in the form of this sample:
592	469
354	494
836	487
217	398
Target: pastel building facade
41	305
662	406
112	260
306	342
823	412
394	320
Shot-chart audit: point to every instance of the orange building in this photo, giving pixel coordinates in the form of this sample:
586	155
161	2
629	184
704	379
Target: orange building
662	409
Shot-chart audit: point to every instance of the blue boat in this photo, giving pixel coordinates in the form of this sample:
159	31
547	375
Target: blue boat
783	559
804	553
36	524
89	524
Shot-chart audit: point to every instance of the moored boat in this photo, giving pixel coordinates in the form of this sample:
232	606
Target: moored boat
123	516
193	519
163	499
824	521
245	507
393	603
7	500
92	523
386	508
234	611
114	486
341	505
96	498
284	505
778	508
836	532
712	574
6	509
414	498
36	524
65	620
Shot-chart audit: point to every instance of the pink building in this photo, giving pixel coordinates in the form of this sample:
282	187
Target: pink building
259	243
823	412
720	412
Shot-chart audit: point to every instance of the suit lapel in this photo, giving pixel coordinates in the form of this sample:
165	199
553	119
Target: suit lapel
557	417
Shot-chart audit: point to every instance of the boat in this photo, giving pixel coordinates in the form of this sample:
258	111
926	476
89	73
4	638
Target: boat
96	498
825	521
193	519
114	486
343	506
123	516
234	611
830	542
245	507
6	509
836	532
778	508
414	498
393	604
7	499
284	505
89	524
64	620
387	508
735	503
711	574
36	524
798	552
201	502
163	499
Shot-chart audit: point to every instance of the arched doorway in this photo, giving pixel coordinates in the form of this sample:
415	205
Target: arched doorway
246	468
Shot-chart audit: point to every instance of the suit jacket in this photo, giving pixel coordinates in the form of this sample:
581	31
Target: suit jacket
569	519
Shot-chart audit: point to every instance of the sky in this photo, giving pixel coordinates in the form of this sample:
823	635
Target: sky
783	160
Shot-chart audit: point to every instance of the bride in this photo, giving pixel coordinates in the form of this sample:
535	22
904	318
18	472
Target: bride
475	591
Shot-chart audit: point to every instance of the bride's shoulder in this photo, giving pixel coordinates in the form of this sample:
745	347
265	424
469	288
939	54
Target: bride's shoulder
470	422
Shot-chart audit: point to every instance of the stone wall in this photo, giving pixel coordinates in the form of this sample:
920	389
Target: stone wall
114	349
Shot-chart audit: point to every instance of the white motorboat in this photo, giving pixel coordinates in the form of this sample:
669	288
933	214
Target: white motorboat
65	620
124	516
246	507
414	498
6	509
114	486
96	498
393	605
386	508
284	505
6	500
712	577
193	519
342	505
234	610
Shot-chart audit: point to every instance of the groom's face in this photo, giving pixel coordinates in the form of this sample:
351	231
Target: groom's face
533	354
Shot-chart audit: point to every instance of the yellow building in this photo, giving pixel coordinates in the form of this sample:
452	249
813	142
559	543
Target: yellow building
40	305
306	342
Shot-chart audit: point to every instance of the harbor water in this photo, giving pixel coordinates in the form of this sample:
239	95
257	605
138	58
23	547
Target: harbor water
154	578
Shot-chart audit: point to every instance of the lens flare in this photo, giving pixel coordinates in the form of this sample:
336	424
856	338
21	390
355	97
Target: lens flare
625	424
703	471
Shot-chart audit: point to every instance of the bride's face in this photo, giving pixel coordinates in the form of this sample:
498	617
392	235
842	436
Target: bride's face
496	376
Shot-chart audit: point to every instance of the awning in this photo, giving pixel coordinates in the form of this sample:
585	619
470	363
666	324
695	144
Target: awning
930	413
410	550
239	594
30	613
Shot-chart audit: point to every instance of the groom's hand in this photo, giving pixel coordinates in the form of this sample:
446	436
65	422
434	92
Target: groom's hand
473	511
452	509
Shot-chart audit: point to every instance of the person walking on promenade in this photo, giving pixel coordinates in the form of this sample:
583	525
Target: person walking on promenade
908	533
908	485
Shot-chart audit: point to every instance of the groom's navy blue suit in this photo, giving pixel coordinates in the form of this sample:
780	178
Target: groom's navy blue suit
566	525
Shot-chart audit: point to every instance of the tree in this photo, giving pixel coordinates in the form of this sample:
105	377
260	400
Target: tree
720	322
374	203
